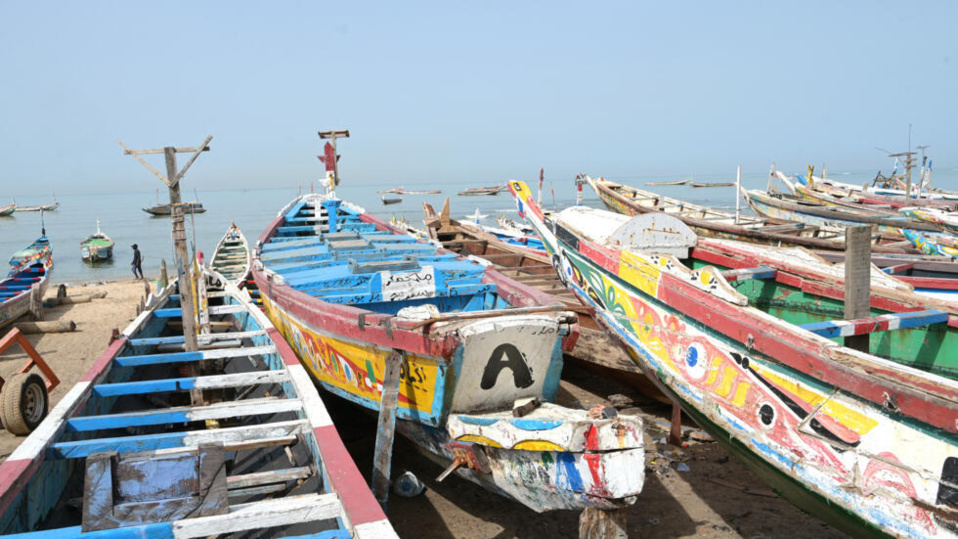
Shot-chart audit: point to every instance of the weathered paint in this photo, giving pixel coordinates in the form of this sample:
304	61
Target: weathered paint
348	299
34	475
878	470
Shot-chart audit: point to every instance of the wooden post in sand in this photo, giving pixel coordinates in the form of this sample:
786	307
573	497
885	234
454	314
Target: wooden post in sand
858	281
382	458
601	524
183	262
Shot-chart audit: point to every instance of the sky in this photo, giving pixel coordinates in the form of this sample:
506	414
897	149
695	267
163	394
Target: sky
467	92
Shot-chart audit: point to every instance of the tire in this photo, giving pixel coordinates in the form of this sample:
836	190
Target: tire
25	403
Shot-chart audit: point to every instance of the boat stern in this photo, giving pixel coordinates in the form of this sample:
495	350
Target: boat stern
504	358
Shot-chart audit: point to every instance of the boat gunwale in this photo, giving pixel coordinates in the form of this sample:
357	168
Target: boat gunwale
386	330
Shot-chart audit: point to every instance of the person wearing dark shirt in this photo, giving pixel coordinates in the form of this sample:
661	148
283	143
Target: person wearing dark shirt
137	262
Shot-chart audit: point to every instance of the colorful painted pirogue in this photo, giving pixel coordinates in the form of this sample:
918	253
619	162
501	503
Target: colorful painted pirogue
867	442
797	208
96	247
947	221
932	245
232	258
29	269
716	223
828	192
533	268
254	453
347	290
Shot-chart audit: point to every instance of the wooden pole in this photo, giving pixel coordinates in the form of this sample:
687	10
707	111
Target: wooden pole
382	458
183	272
601	524
738	194
858	281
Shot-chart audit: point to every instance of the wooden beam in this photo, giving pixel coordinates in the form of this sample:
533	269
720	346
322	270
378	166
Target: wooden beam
858	281
382	458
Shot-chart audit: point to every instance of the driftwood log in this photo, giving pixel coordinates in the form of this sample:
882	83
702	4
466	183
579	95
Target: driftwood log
65	300
59	326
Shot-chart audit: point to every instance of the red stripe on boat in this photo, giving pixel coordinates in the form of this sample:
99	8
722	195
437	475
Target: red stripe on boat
105	358
358	501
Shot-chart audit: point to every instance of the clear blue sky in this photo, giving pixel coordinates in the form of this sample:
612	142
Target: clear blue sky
477	91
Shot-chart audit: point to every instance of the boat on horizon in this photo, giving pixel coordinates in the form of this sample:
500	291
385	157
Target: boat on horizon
165	210
748	339
97	247
390	199
52	206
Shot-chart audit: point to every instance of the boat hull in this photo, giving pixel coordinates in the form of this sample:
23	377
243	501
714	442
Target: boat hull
457	368
863	469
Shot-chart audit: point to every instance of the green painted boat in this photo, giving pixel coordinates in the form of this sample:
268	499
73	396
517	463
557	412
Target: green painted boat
749	340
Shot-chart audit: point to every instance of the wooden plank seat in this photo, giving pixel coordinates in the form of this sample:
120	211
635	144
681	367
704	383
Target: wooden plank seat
183	414
218	381
176	312
232	438
884	322
189	357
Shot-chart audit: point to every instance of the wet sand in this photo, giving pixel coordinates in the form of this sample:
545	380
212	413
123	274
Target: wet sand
716	497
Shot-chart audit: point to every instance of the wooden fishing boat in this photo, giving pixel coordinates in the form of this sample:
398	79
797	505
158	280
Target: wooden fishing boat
96	247
480	191
828	193
532	268
795	208
8	209
745	337
39	207
29	274
712	184
937	245
721	224
946	221
164	210
653	184
420	192
930	275
231	259
366	306
158	442
391	199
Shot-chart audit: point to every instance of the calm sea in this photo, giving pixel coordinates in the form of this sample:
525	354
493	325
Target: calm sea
122	218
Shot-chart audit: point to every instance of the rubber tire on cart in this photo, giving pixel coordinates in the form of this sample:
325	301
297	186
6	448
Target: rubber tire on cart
25	403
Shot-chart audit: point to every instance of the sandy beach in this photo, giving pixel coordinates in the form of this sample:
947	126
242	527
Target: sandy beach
713	495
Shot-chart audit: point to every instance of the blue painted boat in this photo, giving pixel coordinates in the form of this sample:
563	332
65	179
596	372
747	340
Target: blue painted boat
158	442
29	270
350	291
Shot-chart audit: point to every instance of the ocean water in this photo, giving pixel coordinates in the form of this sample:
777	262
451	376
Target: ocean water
122	218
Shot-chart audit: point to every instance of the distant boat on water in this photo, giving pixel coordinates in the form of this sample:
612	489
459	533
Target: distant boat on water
390	198
483	191
97	247
712	184
680	182
165	209
8	209
38	207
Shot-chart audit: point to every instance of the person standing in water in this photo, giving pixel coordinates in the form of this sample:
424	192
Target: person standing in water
137	262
